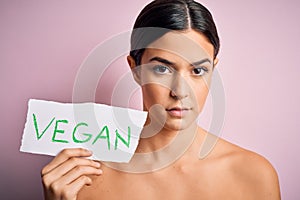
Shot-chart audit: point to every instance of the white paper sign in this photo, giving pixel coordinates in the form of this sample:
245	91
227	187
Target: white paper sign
111	133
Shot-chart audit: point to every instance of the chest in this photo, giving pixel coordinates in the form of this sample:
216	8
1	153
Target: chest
185	182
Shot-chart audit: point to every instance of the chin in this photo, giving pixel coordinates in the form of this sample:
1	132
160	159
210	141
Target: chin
178	124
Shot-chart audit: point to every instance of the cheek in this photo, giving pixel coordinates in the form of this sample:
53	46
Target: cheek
200	91
154	94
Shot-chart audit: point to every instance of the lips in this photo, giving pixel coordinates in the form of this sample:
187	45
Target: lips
178	112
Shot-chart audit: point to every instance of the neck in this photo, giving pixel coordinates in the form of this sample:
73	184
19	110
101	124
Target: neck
160	150
155	137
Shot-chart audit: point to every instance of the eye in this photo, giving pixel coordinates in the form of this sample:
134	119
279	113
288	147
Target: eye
160	69
200	71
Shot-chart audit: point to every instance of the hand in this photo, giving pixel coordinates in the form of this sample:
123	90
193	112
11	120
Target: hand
67	173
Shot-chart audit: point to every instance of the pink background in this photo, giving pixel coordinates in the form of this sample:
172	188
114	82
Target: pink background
43	43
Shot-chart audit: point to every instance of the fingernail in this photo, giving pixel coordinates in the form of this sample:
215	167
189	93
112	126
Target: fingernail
90	181
89	151
98	164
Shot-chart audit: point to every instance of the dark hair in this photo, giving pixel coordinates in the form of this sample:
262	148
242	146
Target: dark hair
170	15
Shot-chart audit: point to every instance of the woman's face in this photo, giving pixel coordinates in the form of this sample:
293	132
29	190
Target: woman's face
175	75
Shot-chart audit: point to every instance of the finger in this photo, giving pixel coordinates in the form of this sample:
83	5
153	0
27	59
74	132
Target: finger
72	189
77	172
63	156
72	163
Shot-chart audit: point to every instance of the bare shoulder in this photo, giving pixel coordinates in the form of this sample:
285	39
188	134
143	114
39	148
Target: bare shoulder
249	170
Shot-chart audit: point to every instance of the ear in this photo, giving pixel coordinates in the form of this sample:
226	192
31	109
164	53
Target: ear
134	69
216	60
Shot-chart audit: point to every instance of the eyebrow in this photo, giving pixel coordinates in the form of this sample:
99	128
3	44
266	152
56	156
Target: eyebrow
167	62
201	61
162	60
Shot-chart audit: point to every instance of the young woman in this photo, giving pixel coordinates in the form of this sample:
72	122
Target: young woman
174	52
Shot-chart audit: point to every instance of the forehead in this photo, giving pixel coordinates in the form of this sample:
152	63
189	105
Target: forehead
189	45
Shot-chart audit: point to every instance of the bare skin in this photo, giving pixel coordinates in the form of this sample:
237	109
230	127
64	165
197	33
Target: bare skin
228	172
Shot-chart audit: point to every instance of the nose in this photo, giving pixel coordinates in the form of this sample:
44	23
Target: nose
179	87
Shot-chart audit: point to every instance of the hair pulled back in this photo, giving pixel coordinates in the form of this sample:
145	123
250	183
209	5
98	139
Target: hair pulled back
162	16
